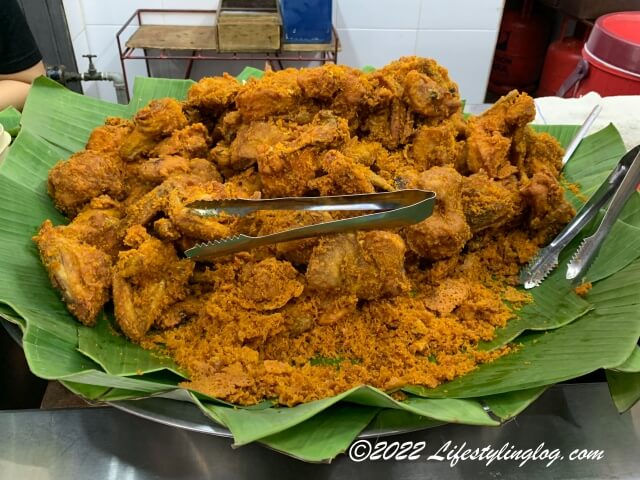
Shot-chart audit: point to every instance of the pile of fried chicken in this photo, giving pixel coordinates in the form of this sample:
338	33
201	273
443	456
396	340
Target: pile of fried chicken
252	325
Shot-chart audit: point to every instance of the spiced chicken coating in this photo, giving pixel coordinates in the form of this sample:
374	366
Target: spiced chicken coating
79	270
190	142
436	146
368	265
214	94
276	93
446	231
108	137
147	280
85	175
489	203
155	121
497	137
269	284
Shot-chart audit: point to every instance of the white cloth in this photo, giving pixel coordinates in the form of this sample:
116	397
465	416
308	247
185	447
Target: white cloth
5	140
622	111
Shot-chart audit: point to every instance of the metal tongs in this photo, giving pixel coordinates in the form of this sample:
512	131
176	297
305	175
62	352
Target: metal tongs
618	187
582	132
397	209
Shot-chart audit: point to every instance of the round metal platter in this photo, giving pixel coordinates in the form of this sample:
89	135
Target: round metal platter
185	415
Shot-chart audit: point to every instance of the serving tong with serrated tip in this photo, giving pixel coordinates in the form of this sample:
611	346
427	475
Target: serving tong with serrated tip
395	209
618	187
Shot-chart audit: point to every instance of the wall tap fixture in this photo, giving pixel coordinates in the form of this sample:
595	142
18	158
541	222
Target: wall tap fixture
61	75
91	73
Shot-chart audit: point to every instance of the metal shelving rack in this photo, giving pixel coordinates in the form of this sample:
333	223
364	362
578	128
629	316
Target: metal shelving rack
202	45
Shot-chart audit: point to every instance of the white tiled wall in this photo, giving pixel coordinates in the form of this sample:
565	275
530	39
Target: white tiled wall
467	54
359	46
460	34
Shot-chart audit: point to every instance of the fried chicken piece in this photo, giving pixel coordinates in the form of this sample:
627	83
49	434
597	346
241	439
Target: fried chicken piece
391	126
436	146
549	210
391	166
179	312
345	177
286	173
269	284
489	152
147	281
166	230
427	97
221	158
204	170
155	121
408	86
367	153
189	142
543	153
446	231
86	174
287	168
193	225
80	271
345	90
393	76
227	127
489	204
326	129
157	170
136	145
266	222
244	185
276	93
214	94
109	137
514	110
152	203
143	178
300	315
98	224
160	118
498	135
251	140
368	265
92	233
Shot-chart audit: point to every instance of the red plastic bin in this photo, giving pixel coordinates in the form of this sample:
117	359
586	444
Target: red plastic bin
610	62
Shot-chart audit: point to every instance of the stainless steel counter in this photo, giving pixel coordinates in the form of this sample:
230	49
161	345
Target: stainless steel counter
105	443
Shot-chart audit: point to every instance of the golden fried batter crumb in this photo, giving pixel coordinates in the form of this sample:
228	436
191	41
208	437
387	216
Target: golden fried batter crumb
583	289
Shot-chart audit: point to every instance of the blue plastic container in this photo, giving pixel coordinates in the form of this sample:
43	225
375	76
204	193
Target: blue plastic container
306	21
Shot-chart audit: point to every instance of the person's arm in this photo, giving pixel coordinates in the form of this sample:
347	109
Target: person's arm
20	58
14	87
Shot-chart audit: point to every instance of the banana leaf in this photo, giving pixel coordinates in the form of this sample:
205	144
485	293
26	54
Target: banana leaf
10	120
323	436
624	389
631	364
508	405
99	342
560	335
